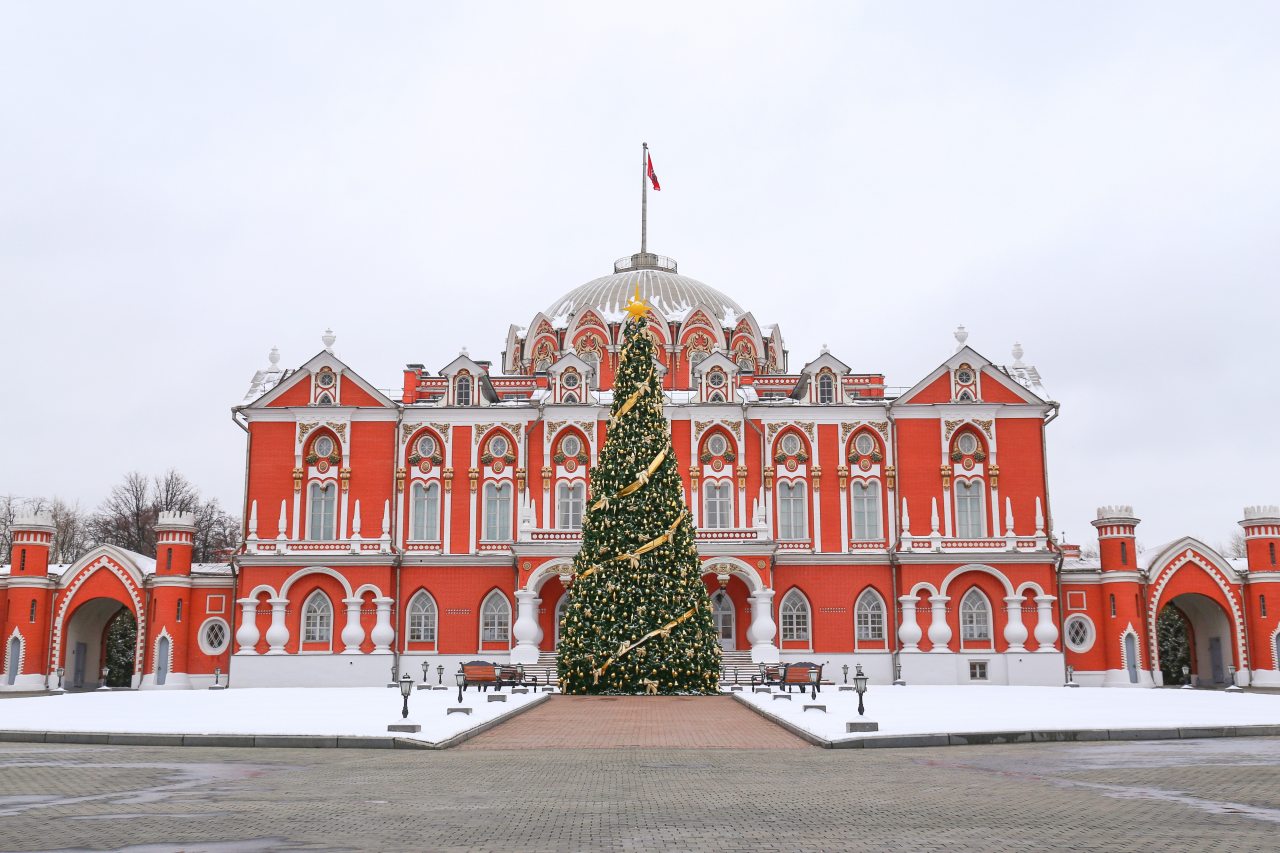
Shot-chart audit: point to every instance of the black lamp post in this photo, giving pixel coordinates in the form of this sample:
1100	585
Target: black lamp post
813	683
1186	676
406	687
440	674
105	672
462	678
217	676
860	685
426	667
61	671
845	667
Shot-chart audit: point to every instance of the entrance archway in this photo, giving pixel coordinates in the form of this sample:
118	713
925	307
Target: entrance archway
85	643
1193	630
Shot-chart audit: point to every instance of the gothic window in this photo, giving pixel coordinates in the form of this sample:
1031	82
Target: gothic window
462	391
422	619
1124	553
1262	606
178	614
826	388
570	499
792	517
497	512
569	398
425	508
495	619
746	365
32	616
866	510
975	618
717	512
317	619
869	617
321	510
794	617
970	523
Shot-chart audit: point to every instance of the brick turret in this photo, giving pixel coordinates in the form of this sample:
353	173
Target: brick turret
1262	537
32	539
172	617
1117	540
25	631
175	539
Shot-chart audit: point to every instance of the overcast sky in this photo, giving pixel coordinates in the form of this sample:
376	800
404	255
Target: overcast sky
180	190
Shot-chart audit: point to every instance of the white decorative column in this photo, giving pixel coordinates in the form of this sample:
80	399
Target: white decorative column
383	634
277	634
935	536
251	536
352	631
282	539
939	630
1046	631
247	633
1015	633
1010	537
909	631
763	629
525	630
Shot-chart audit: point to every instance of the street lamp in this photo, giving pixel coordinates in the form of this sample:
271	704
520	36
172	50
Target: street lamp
860	685
61	671
1232	687
426	668
813	684
462	679
406	687
217	676
1186	677
845	667
440	674
1071	676
105	672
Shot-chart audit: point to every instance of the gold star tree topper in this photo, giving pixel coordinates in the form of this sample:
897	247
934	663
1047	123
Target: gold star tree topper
636	307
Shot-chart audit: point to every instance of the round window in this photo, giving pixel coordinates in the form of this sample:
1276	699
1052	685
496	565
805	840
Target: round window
571	446
426	446
715	379
1079	633
967	444
570	379
498	446
323	446
214	636
716	445
326	379
864	444
791	444
964	376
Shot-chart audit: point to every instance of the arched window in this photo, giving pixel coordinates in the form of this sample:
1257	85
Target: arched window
717	512
869	617
826	388
426	512
866	510
975	618
495	619
462	391
794	617
321	511
422	619
317	619
32	616
560	608
1262	606
970	521
497	512
793	521
570	499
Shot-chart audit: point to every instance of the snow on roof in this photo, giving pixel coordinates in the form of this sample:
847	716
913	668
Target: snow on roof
267	378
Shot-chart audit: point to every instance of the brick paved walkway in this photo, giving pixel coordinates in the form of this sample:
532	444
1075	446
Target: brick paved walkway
651	722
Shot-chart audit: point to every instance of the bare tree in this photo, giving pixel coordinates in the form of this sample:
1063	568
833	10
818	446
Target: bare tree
127	517
217	532
1234	546
71	536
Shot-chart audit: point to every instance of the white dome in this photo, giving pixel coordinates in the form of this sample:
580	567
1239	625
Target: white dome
670	294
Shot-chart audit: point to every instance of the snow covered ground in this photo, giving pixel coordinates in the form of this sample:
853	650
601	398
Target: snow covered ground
362	711
937	710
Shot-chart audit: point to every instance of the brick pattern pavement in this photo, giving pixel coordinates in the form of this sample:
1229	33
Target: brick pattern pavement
647	722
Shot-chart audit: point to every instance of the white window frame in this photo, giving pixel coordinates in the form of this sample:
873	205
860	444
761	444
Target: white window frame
1091	632
864	500
424	512
971	509
497	512
414	610
793	508
462	387
869	618
571	500
975	603
311	606
795	618
717	505
209	650
826	388
322	518
495	619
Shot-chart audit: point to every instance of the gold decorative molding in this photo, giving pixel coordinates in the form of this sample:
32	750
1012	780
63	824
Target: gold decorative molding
946	476
400	475
340	429
546	478
344	476
297	479
303	429
986	427
843	473
890	476
881	427
473	474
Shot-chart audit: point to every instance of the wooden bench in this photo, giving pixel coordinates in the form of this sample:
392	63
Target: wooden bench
797	675
769	676
513	675
480	674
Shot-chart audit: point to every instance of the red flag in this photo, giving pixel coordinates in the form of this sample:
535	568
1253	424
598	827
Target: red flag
652	176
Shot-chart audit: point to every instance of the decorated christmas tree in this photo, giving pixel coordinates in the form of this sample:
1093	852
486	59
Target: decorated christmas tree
639	617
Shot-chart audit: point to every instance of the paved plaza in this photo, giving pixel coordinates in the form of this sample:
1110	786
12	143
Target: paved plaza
1160	796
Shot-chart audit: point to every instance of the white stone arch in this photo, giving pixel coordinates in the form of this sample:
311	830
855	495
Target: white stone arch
552	568
1274	648
1195	553
484	603
743	570
315	594
421	593
974	593
1124	653
977	567
926	587
1029	585
312	570
373	588
793	593
869	591
261	588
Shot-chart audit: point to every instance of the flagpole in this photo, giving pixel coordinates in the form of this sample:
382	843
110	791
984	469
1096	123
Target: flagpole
644	198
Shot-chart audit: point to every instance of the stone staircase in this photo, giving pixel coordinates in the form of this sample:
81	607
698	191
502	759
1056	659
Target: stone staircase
736	667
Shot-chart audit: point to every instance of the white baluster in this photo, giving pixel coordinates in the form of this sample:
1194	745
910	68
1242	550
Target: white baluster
352	631
525	630
1046	631
909	631
277	634
383	634
247	634
763	629
939	630
1015	633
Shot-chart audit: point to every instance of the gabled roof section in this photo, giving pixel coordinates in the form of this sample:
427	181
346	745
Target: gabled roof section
1154	560
570	360
461	363
132	562
716	359
322	359
979	362
828	361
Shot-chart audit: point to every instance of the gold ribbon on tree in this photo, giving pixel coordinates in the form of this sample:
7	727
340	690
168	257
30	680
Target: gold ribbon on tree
634	556
665	631
641	479
626	406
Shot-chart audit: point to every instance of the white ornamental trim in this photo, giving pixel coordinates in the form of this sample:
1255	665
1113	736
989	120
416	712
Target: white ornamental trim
135	594
1162	580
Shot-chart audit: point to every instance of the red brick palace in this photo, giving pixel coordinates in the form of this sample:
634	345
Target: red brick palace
838	521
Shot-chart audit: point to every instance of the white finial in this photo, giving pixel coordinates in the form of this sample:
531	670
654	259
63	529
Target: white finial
328	338
1008	516
386	518
1039	518
355	522
933	520
253	522
825	349
961	336
274	357
284	522
906	519
1017	355
463	352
